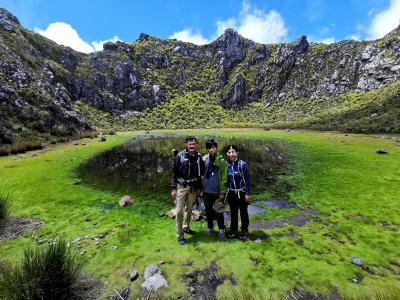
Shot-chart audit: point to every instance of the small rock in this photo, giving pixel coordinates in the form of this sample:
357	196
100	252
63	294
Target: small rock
171	213
374	115
192	290
111	132
77	240
114	247
381	151
82	252
355	280
161	214
153	280
257	241
87	237
196	215
161	262
102	139
75	143
357	261
133	275
125	200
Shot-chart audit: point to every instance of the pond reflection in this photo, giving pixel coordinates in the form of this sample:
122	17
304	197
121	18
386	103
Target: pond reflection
144	164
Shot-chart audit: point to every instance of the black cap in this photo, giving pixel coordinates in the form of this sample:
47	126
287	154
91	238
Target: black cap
190	138
210	143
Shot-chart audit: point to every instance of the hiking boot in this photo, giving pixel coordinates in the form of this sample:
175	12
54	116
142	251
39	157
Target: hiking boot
182	241
232	234
243	235
209	231
221	234
188	231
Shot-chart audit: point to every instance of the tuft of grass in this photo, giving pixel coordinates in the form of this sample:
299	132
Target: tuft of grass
50	272
5	207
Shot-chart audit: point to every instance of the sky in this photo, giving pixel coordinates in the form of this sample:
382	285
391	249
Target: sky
85	25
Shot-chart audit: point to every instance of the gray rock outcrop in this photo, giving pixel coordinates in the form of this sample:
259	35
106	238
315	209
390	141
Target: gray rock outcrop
153	280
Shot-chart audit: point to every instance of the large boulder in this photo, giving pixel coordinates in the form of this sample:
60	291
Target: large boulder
153	280
126	77
236	96
230	48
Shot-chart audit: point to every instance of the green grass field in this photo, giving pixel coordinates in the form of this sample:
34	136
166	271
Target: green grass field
356	191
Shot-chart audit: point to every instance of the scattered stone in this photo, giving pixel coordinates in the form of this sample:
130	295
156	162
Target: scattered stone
114	247
171	213
357	261
75	143
87	237
374	115
258	241
77	240
196	215
82	252
111	132
122	293
204	283
161	262
381	151
102	139
153	280
125	201
161	214
132	275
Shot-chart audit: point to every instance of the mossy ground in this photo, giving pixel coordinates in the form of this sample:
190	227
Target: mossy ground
356	190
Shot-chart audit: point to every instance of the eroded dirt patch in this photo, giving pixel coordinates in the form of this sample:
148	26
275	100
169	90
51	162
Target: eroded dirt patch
89	287
299	220
203	283
16	226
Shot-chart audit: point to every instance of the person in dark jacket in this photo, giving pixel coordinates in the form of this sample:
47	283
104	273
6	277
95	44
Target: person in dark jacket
214	187
186	185
238	195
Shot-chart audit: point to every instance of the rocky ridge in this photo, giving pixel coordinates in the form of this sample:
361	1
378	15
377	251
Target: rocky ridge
41	82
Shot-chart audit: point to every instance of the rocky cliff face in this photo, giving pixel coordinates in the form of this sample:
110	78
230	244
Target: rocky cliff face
40	81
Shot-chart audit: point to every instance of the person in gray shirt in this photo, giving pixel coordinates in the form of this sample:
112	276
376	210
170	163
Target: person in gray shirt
214	187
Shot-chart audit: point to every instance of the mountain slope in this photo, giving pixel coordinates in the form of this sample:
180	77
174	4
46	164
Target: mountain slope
50	90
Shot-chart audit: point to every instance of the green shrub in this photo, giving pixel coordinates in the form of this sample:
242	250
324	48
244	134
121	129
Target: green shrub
5	206
47	272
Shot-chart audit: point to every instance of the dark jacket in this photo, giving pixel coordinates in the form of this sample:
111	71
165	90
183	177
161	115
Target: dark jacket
238	176
219	165
187	171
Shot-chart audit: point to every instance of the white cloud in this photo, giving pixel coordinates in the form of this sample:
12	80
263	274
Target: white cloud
355	37
187	35
385	21
329	40
64	34
98	45
257	25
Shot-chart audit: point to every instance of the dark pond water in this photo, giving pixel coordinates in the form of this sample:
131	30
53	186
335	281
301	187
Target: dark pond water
144	164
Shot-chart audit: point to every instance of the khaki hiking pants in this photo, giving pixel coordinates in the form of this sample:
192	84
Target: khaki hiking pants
185	198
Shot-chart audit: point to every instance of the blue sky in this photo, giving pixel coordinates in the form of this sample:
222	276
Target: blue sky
86	24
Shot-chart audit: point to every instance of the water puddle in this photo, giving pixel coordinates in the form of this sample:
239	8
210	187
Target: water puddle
144	166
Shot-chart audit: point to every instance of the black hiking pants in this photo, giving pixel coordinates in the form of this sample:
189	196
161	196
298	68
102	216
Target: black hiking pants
212	215
238	203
